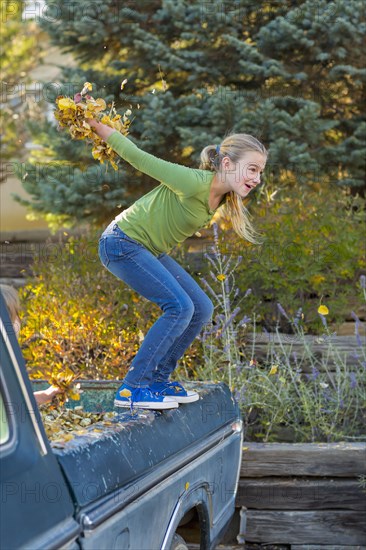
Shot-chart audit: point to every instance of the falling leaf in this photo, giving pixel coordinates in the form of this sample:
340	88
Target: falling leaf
186	487
323	310
163	82
123	84
221	277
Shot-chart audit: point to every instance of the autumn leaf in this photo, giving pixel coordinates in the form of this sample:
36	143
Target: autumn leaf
87	88
75	396
163	82
323	310
66	103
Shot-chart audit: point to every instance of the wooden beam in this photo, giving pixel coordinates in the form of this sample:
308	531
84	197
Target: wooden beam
320	347
324	527
303	459
301	494
323	547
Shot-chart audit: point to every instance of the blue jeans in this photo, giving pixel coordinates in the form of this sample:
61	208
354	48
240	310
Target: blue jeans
160	279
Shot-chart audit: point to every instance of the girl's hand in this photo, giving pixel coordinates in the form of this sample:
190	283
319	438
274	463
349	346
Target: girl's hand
101	129
51	391
44	396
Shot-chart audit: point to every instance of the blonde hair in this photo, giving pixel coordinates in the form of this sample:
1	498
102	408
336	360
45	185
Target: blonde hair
11	301
234	146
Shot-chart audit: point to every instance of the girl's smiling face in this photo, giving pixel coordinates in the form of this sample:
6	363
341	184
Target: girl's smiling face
242	176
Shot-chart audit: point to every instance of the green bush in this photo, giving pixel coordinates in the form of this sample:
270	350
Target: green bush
78	316
312	398
313	252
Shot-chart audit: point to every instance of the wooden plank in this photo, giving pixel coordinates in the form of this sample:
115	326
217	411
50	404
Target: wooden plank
301	494
343	346
324	527
324	547
303	362
303	459
318	342
192	546
307	368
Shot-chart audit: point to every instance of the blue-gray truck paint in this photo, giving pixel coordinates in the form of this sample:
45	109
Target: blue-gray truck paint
127	486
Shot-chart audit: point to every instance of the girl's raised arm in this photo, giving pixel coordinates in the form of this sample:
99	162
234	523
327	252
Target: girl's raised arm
181	179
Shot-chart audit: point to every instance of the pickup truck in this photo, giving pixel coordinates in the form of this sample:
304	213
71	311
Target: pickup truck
136	483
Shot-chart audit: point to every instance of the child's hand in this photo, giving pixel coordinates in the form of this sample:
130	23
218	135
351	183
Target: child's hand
92	122
101	129
51	391
44	396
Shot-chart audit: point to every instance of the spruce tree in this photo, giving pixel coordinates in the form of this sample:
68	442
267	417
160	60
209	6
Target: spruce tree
288	72
19	54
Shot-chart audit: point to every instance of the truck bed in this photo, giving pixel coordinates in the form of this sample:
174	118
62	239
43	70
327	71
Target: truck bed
137	444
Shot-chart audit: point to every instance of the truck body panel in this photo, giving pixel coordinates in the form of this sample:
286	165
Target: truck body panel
31	480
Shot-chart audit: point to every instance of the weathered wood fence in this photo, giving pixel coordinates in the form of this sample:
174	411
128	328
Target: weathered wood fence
305	495
322	349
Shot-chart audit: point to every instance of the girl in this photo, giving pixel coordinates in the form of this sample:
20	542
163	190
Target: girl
13	306
135	246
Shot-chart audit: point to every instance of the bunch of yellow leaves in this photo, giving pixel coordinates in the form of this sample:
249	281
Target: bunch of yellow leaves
74	113
64	380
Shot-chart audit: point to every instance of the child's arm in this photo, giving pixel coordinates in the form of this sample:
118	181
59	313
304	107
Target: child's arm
180	179
44	396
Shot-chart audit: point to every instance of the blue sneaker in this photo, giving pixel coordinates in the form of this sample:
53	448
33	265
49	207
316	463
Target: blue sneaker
142	398
175	391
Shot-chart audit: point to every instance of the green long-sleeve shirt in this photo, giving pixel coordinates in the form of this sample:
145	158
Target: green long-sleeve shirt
172	211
